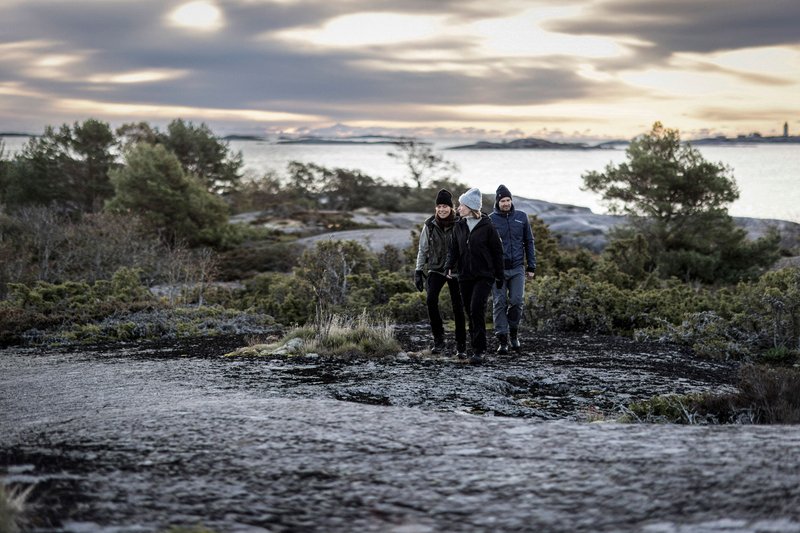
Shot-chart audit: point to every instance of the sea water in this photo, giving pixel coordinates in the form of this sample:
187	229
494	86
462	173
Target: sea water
767	175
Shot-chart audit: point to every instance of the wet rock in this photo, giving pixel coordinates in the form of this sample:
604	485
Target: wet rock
141	437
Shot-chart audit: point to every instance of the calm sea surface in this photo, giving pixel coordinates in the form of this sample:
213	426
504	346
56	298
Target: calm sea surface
768	176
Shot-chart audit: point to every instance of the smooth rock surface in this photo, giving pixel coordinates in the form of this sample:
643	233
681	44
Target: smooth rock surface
138	438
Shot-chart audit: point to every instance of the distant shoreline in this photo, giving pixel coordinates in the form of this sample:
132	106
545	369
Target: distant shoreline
749	139
529	143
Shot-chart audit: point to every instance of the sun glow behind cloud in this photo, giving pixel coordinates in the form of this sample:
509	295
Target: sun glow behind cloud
141	76
439	43
166	111
368	29
200	15
523	35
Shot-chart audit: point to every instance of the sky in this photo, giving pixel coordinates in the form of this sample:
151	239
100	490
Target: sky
586	69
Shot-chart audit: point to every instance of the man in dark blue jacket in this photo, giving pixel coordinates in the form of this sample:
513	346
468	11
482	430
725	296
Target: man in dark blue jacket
519	262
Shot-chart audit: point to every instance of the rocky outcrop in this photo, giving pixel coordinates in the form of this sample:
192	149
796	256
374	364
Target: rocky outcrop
574	226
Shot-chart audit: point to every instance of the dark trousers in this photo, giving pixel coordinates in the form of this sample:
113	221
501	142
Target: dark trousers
435	284
475	292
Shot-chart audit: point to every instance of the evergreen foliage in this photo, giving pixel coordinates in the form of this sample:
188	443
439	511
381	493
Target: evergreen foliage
199	152
677	201
153	185
68	167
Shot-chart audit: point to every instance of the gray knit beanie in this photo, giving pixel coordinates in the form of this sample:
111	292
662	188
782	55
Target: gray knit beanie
472	199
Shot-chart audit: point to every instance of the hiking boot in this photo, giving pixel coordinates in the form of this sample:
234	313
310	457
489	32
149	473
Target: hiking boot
461	352
502	349
438	346
476	359
514	339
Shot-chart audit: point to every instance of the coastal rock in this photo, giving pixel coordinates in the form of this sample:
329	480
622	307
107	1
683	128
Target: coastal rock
574	226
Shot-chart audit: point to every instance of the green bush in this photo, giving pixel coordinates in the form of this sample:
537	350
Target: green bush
44	306
574	302
290	300
671	409
253	258
771	395
770	309
406	307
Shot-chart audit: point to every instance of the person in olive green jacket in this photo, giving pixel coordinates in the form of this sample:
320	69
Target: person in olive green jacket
434	243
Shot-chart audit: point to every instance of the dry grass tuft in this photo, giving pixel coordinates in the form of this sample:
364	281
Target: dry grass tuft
12	507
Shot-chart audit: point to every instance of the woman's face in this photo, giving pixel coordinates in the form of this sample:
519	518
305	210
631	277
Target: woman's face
443	210
463	210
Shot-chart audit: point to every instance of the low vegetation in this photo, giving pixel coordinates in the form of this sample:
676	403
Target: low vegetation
333	336
125	235
765	395
12	508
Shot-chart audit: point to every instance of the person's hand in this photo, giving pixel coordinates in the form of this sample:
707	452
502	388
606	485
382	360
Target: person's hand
498	283
530	274
419	280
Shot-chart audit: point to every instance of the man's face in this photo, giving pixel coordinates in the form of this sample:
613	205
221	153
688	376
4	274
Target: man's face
504	204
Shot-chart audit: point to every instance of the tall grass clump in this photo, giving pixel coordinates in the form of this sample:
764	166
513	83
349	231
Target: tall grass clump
12	507
340	335
333	335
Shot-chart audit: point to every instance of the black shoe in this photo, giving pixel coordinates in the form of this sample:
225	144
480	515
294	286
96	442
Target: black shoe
476	359
461	354
514	339
502	339
438	346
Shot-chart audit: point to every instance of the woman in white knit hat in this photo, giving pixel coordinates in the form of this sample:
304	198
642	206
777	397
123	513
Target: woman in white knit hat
476	253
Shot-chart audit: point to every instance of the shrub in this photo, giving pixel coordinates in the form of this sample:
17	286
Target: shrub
772	395
256	257
290	300
407	307
328	268
334	335
671	409
574	302
42	305
770	309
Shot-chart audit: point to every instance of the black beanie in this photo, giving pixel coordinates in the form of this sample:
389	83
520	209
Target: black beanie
502	192
444	197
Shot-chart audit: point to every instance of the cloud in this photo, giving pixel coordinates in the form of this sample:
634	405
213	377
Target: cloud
420	61
665	28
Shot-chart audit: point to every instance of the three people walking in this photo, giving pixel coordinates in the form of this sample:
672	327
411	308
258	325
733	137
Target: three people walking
476	255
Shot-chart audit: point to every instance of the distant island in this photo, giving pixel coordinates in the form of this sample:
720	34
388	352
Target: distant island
753	138
356	139
244	138
532	143
15	134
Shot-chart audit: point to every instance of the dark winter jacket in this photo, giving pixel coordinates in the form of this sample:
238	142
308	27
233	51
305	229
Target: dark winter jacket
434	243
478	253
515	230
